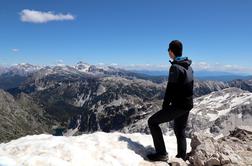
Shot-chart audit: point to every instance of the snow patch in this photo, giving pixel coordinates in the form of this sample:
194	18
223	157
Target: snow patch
240	115
101	89
80	100
118	102
88	149
40	88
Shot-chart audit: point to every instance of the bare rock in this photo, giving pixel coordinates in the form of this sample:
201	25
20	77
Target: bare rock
224	159
229	150
177	162
213	161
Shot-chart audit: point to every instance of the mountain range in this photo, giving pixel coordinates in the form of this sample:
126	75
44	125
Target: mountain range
83	98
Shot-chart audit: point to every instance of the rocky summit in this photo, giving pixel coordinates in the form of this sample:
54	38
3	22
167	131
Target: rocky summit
234	149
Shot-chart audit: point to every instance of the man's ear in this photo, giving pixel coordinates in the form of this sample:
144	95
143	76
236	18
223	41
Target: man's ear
171	54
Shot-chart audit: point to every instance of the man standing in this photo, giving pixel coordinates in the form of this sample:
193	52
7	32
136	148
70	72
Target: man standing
178	101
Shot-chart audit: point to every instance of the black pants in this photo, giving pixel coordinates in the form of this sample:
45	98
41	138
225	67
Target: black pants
180	117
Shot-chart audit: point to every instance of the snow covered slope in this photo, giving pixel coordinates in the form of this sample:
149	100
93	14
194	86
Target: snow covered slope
23	68
222	111
88	149
221	102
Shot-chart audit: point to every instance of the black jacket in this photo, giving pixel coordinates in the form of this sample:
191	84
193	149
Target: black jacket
179	90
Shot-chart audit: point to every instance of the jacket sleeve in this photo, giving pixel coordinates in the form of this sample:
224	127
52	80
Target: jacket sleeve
171	86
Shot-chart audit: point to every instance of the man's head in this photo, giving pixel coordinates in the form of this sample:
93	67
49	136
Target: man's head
175	49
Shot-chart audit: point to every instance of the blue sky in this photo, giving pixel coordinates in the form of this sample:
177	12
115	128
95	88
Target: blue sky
216	33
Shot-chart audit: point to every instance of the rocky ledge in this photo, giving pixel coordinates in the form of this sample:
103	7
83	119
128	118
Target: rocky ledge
235	149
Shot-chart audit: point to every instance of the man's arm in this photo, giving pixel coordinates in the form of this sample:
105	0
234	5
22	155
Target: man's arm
170	88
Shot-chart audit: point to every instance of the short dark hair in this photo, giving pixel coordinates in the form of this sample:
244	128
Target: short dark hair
176	47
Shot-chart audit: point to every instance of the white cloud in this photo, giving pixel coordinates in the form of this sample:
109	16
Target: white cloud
114	64
15	50
59	61
101	64
34	16
158	67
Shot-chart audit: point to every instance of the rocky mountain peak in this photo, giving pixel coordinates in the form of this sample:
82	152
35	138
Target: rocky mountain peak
82	66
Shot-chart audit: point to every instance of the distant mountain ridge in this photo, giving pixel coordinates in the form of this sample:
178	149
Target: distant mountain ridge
26	68
86	98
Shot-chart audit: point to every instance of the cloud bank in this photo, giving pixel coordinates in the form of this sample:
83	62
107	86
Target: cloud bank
221	67
34	16
197	66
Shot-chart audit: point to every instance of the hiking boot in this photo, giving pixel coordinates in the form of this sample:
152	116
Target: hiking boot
158	157
182	157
